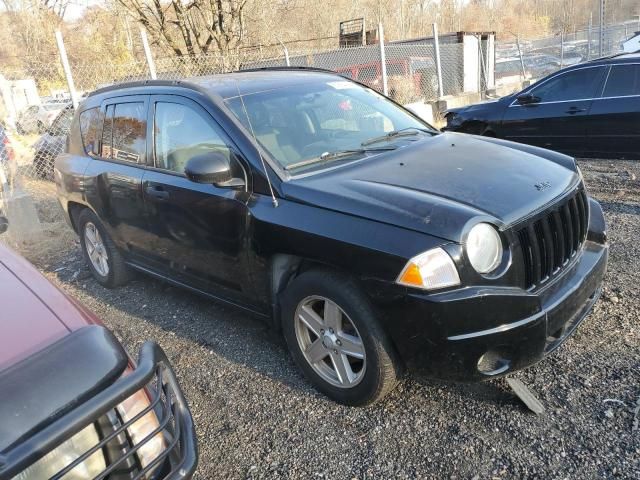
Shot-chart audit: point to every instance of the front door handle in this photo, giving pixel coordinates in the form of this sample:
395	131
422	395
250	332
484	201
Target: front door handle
156	191
573	110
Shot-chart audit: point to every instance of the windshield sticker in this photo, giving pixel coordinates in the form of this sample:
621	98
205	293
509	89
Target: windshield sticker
342	85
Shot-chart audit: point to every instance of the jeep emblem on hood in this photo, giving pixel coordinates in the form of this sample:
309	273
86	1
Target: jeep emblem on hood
542	186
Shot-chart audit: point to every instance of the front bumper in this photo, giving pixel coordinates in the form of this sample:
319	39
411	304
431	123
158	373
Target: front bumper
437	334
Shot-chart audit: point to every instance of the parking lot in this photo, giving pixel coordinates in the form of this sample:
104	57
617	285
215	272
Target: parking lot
257	417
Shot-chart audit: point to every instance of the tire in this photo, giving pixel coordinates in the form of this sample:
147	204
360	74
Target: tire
117	273
369	379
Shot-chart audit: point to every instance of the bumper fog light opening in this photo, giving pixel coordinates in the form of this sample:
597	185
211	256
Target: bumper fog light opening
494	362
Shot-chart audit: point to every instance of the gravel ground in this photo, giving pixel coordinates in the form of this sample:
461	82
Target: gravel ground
257	417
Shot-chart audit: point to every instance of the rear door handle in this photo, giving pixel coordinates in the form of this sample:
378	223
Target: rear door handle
156	191
573	110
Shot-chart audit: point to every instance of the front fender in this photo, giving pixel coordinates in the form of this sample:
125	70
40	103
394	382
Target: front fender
358	246
597	225
556	157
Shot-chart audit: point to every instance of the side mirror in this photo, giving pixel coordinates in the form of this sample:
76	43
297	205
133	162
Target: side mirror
211	168
527	99
4	224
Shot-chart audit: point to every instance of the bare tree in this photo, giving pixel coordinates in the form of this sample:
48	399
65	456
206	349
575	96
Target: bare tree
192	27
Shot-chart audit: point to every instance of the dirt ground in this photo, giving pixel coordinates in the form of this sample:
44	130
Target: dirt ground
257	417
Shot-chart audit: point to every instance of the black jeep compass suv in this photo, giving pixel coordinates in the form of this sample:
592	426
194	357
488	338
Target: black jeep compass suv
374	242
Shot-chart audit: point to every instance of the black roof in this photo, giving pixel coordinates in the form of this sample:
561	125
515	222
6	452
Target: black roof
227	85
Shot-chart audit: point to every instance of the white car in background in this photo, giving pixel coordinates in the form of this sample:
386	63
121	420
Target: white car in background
37	118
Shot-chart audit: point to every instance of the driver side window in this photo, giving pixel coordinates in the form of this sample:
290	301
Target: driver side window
182	133
573	85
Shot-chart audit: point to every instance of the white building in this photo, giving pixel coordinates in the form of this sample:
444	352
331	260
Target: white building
17	95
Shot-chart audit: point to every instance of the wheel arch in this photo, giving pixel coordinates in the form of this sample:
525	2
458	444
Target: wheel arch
74	209
283	270
286	267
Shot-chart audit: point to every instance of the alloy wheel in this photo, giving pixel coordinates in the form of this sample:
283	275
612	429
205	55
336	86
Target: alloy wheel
330	342
96	249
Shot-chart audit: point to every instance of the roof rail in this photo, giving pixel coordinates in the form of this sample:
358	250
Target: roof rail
187	84
139	83
285	68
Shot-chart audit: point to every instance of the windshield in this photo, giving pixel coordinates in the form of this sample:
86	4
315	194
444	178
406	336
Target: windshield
308	121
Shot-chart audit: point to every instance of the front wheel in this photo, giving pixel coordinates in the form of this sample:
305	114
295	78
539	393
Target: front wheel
334	337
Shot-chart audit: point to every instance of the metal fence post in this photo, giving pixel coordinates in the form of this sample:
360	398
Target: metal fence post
67	69
602	17
562	48
383	60
285	50
524	73
589	36
436	44
147	53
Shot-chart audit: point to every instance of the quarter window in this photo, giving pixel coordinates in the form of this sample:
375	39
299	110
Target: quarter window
182	133
90	122
574	85
124	133
623	80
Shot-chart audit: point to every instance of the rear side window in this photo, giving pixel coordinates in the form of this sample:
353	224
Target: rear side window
623	80
124	132
90	123
573	85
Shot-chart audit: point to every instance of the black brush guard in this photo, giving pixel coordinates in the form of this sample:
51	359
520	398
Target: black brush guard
153	374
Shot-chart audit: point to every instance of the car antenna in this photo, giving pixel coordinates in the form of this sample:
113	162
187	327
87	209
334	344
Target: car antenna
253	134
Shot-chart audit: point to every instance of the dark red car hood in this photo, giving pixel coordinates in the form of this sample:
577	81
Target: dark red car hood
33	312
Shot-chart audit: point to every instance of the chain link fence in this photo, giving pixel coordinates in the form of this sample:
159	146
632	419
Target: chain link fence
37	105
36	110
518	60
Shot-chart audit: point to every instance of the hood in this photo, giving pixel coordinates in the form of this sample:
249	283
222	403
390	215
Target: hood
34	312
438	184
478	106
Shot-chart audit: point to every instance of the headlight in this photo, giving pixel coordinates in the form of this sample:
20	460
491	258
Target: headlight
430	270
141	428
67	452
484	248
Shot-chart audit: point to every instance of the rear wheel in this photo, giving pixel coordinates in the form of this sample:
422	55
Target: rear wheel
103	257
334	337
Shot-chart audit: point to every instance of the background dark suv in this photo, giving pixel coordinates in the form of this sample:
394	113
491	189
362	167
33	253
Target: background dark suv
589	109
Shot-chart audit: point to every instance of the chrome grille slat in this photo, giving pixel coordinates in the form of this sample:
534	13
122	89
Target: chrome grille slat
536	253
567	228
549	260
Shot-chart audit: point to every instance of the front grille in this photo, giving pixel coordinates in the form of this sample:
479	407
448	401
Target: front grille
549	241
177	457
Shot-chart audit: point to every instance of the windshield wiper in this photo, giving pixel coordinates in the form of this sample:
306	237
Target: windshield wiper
403	132
329	156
